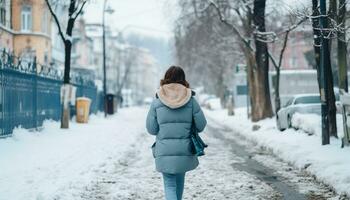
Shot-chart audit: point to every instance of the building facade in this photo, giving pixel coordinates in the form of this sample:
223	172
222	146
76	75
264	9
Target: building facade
295	53
6	33
82	48
31	27
57	45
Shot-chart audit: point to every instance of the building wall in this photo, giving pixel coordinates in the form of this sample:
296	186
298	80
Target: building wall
94	32
294	57
6	39
292	82
37	40
6	34
82	50
37	44
57	45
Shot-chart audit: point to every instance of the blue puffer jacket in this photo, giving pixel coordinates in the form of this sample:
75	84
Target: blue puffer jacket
170	119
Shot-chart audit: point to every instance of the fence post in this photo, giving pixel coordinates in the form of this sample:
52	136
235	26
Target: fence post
35	95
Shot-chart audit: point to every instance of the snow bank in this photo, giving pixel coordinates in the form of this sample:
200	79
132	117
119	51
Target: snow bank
330	164
213	104
55	163
311	124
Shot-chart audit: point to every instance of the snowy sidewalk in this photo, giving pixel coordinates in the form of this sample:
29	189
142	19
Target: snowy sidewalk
330	164
56	163
134	177
111	159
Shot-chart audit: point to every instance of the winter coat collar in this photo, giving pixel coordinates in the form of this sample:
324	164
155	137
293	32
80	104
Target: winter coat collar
174	95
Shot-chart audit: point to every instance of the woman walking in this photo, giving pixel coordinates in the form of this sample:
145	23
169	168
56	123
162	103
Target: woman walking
170	120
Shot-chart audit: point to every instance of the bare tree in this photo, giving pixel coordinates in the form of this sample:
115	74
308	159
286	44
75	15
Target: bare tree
75	8
252	17
278	63
325	34
204	47
259	78
128	59
342	50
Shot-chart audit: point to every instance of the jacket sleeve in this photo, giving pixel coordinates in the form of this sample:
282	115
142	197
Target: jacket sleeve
198	116
151	121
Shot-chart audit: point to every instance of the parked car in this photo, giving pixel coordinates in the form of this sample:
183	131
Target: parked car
303	103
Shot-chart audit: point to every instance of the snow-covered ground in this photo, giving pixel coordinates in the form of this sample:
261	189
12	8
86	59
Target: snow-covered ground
330	164
311	124
55	163
111	159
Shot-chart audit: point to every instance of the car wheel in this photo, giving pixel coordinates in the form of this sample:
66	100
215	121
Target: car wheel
278	122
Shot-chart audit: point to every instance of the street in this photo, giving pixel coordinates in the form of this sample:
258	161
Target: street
77	79
230	170
111	159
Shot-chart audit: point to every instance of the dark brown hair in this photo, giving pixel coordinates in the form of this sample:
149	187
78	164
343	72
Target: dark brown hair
175	74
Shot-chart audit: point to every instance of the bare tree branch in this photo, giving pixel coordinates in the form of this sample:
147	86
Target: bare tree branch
234	28
80	10
56	20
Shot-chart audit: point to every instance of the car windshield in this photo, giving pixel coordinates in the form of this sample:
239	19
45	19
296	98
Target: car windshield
307	100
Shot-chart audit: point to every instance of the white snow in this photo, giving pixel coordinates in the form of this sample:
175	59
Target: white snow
111	159
311	123
213	104
329	163
55	163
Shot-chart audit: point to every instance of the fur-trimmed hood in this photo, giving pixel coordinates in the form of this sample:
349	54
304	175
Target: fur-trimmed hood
174	95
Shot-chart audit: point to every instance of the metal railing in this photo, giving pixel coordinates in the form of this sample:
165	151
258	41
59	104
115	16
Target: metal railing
30	93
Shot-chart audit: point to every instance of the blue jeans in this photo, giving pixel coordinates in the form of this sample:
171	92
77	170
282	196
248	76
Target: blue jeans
173	186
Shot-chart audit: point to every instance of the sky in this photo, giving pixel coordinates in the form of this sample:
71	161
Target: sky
134	15
153	17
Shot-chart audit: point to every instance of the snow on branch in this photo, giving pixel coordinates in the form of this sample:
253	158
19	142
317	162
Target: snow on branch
233	27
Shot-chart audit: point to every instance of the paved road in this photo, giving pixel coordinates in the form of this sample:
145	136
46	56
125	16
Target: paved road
231	169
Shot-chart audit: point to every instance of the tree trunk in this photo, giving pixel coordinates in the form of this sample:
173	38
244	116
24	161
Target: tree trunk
278	72
277	90
342	51
73	12
332	112
330	98
260	93
67	61
65	116
66	80
317	38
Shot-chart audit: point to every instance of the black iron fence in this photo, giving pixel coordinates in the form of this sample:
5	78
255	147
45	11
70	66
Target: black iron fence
30	93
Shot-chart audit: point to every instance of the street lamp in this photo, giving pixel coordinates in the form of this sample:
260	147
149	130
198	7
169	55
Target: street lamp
108	10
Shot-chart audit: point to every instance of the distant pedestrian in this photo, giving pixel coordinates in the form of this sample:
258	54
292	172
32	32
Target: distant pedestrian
170	119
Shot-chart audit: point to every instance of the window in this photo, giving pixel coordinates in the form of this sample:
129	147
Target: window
26	18
308	100
3	12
